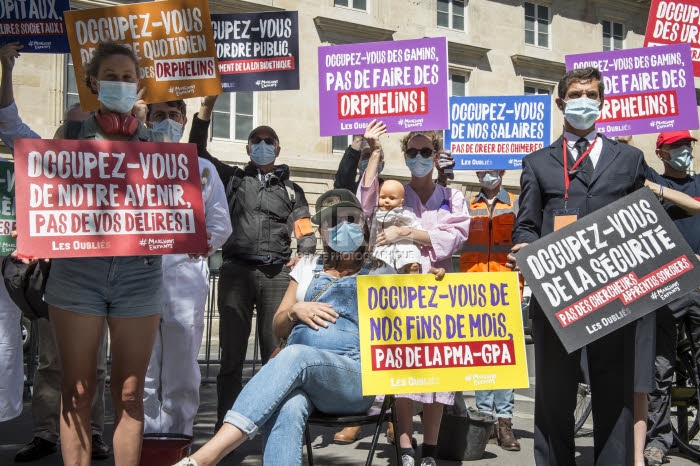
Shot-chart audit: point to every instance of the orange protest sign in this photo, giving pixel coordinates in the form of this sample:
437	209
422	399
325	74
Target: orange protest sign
172	40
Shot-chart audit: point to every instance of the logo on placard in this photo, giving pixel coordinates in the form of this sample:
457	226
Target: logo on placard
182	90
157	243
262	83
38	45
484	379
411	122
662	124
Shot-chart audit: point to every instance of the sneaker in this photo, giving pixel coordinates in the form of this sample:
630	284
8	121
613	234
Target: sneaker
186	462
100	450
407	460
654	456
37	448
428	461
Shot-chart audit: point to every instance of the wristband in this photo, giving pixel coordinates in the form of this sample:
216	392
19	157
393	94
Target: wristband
289	316
661	193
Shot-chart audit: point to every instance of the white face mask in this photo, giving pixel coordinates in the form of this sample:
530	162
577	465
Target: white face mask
490	180
170	128
582	113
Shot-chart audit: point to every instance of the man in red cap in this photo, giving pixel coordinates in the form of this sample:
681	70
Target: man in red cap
675	150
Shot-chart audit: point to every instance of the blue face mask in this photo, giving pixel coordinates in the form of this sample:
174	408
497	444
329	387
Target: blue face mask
420	166
118	96
262	153
170	128
345	237
681	158
364	163
582	113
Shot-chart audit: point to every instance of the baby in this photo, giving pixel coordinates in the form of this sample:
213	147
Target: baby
403	255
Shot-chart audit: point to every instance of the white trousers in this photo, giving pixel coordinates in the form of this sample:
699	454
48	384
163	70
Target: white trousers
171	394
11	369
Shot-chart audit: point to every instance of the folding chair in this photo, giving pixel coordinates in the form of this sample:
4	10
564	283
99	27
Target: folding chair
374	416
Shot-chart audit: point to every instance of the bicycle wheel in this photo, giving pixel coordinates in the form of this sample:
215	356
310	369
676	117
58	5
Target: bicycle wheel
685	402
583	405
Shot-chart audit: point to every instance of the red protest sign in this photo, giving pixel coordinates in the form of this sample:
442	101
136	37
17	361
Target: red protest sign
675	23
107	198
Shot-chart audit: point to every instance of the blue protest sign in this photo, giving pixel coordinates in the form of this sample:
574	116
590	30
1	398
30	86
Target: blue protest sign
257	51
496	132
36	24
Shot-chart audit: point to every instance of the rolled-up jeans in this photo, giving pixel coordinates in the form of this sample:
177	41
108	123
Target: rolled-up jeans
500	403
287	390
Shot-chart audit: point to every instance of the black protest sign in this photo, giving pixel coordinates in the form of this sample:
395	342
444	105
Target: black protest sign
609	268
257	51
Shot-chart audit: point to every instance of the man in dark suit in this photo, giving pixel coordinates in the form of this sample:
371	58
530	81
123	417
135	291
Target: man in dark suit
580	172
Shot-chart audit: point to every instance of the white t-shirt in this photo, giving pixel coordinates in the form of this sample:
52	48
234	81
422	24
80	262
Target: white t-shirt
303	273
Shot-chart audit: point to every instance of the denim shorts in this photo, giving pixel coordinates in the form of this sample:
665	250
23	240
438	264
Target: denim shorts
129	286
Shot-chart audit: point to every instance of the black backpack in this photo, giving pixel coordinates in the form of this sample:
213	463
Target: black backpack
25	284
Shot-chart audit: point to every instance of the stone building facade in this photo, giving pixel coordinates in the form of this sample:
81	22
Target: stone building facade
495	47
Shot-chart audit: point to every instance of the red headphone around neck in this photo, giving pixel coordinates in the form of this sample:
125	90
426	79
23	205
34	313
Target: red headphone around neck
112	123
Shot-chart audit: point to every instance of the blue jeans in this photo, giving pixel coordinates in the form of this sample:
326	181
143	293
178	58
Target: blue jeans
500	403
287	389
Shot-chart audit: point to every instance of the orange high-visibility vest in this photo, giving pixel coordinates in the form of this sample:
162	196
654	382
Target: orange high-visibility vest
489	241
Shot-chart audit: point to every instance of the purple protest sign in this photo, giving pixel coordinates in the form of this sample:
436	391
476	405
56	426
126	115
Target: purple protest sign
402	83
647	90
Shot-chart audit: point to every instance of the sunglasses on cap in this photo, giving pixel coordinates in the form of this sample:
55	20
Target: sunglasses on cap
270	141
425	152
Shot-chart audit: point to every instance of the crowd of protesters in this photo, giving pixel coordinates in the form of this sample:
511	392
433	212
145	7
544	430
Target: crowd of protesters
153	306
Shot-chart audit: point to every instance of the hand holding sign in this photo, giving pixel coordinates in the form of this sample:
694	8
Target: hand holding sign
372	133
140	109
8	54
512	261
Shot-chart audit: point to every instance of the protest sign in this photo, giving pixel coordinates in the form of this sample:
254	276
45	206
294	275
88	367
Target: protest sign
647	90
402	83
609	268
108	198
7	207
676	22
418	334
172	41
495	133
36	24
257	51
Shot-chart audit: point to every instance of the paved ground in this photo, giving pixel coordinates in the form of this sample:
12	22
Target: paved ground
15	433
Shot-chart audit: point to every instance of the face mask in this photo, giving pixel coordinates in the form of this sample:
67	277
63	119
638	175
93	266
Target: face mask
364	163
490	181
681	158
582	113
262	153
420	166
345	237
118	96
170	128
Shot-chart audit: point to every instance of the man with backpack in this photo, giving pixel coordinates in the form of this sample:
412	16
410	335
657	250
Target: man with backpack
266	207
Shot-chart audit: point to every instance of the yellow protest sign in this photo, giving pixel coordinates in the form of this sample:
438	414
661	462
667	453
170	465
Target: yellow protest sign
418	334
173	42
